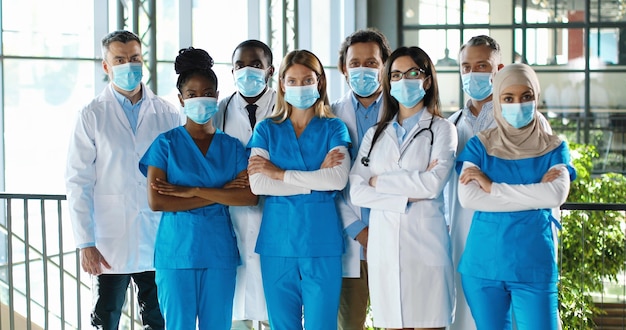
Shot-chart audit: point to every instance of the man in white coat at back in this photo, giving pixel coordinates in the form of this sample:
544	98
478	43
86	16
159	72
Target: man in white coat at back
361	60
253	101
113	226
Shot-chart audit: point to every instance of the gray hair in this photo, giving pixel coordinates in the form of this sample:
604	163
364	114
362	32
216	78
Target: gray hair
122	36
483	40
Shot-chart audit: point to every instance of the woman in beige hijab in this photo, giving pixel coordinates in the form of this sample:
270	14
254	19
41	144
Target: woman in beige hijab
513	175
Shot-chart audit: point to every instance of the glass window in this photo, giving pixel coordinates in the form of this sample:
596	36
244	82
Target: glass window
39	112
32	30
168	29
608	11
219	26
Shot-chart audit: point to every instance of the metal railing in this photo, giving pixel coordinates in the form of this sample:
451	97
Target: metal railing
42	284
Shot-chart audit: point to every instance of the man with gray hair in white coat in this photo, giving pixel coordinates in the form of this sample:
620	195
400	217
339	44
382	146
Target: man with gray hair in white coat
113	225
361	60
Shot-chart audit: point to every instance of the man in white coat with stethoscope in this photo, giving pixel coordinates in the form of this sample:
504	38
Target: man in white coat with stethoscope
113	225
253	101
361	60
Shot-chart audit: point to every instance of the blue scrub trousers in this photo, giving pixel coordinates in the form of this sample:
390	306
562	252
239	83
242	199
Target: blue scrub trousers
205	295
109	291
293	285
535	305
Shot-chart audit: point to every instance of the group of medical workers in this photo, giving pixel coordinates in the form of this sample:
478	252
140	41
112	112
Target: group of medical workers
257	209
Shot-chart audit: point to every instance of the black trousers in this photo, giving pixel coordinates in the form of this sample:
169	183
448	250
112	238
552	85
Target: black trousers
109	292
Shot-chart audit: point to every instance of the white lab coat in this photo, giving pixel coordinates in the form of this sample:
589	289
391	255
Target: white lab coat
249	300
106	192
411	276
350	213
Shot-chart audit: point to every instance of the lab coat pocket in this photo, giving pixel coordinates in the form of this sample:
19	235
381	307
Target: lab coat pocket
109	215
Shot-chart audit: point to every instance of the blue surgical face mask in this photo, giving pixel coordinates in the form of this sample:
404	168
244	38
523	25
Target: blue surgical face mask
200	109
301	97
363	80
250	81
477	85
519	115
127	76
408	92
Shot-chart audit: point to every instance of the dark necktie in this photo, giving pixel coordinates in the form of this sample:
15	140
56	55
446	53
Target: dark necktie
252	114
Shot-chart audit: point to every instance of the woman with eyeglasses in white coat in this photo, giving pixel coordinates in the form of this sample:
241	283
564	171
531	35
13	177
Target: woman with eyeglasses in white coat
402	167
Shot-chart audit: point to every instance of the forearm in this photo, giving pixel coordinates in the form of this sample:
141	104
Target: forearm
334	178
230	197
416	184
159	202
261	184
536	196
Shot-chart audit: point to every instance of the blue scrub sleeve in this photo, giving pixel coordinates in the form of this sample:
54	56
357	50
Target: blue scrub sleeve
242	157
562	156
156	155
473	152
260	134
340	135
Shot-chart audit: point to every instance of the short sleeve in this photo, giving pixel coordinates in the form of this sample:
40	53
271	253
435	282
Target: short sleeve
242	157
340	135
561	155
156	155
473	152
260	135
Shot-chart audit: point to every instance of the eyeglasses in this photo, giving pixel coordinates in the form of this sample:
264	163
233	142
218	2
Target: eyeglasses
412	73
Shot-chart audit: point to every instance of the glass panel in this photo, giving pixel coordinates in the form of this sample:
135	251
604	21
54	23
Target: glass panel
431	12
608	11
477	11
604	45
551	47
209	32
167	23
29	28
40	108
449	91
550	11
320	32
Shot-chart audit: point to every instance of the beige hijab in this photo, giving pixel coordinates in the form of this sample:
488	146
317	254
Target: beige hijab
505	141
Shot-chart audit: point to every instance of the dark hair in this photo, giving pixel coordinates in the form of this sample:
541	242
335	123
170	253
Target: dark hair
483	40
390	104
365	35
252	43
193	61
122	36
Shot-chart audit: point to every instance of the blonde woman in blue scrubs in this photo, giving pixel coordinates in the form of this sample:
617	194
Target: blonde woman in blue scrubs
299	160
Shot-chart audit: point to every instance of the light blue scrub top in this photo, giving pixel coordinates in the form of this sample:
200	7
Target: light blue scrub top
512	246
202	237
300	225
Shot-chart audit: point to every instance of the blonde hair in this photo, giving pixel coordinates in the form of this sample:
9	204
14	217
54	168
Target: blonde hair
309	60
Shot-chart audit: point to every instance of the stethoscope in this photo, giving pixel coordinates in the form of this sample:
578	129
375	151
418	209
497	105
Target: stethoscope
366	160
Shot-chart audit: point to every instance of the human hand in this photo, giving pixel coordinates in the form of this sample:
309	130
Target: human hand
474	173
362	237
92	261
332	159
166	188
237	183
373	180
258	164
551	175
432	165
